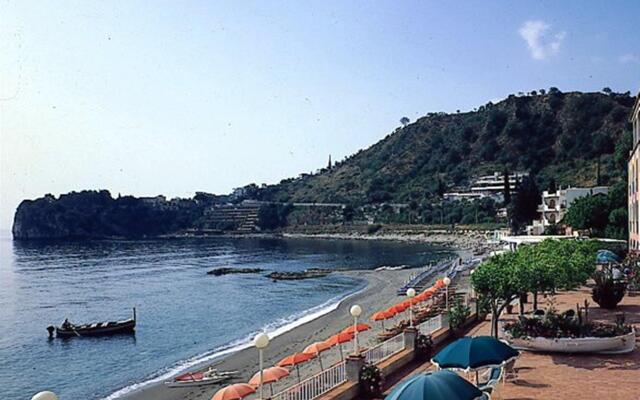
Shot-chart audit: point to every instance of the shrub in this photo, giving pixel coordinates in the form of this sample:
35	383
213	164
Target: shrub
370	381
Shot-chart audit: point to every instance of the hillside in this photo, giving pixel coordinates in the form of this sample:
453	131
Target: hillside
551	134
560	136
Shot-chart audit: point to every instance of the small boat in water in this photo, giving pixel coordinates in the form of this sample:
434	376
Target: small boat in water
210	377
67	329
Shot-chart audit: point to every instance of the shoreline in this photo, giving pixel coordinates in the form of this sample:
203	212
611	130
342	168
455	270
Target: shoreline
379	292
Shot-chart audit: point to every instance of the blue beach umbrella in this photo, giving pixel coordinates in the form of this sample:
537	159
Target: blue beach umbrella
606	257
470	353
438	385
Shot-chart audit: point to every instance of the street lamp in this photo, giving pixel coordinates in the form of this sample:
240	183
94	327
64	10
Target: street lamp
447	282
261	342
45	396
411	293
355	311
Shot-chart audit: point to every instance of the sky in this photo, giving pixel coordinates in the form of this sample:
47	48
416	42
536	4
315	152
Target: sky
152	97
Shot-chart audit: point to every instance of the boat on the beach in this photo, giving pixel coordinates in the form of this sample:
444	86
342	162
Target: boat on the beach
68	329
601	345
211	376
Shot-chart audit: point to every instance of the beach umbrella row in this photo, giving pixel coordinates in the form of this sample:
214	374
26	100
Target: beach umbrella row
404	305
273	374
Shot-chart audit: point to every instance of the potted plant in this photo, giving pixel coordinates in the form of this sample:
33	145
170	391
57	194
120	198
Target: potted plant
370	381
608	291
458	315
424	347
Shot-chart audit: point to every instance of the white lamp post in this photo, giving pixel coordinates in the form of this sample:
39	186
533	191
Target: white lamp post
411	293
261	342
45	396
355	311
447	282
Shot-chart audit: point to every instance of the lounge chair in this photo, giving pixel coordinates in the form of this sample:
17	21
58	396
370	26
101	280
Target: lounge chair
495	374
509	371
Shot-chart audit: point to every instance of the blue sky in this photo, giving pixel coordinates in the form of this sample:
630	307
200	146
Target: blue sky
158	97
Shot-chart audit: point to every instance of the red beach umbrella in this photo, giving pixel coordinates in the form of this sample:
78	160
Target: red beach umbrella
315	349
234	392
295	360
269	376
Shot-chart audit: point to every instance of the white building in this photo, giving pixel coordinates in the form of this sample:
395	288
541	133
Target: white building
494	184
555	205
491	186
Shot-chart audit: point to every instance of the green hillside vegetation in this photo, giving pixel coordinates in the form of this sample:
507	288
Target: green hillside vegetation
553	135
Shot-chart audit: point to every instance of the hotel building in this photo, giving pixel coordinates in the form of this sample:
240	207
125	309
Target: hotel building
634	181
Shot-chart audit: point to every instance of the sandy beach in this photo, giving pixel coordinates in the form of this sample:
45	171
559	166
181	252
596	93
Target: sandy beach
379	293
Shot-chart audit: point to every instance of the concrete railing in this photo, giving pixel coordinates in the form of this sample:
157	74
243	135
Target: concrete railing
316	385
384	350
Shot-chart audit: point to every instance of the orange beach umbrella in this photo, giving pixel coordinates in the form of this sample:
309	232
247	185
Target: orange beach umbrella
295	360
356	328
269	375
315	349
381	316
234	392
338	339
398	308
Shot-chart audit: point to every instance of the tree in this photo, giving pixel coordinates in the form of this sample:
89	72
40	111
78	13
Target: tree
495	281
552	186
404	121
348	212
507	188
590	213
442	188
524	207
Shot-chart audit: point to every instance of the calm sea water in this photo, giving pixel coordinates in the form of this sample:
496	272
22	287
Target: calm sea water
184	315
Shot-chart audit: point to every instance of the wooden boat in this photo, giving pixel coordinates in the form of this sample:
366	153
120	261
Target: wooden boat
210	377
601	345
67	329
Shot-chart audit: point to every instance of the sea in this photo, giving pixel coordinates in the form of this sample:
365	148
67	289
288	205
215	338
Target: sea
185	317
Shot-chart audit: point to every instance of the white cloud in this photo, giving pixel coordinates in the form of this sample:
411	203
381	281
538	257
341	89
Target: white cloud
541	42
629	58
